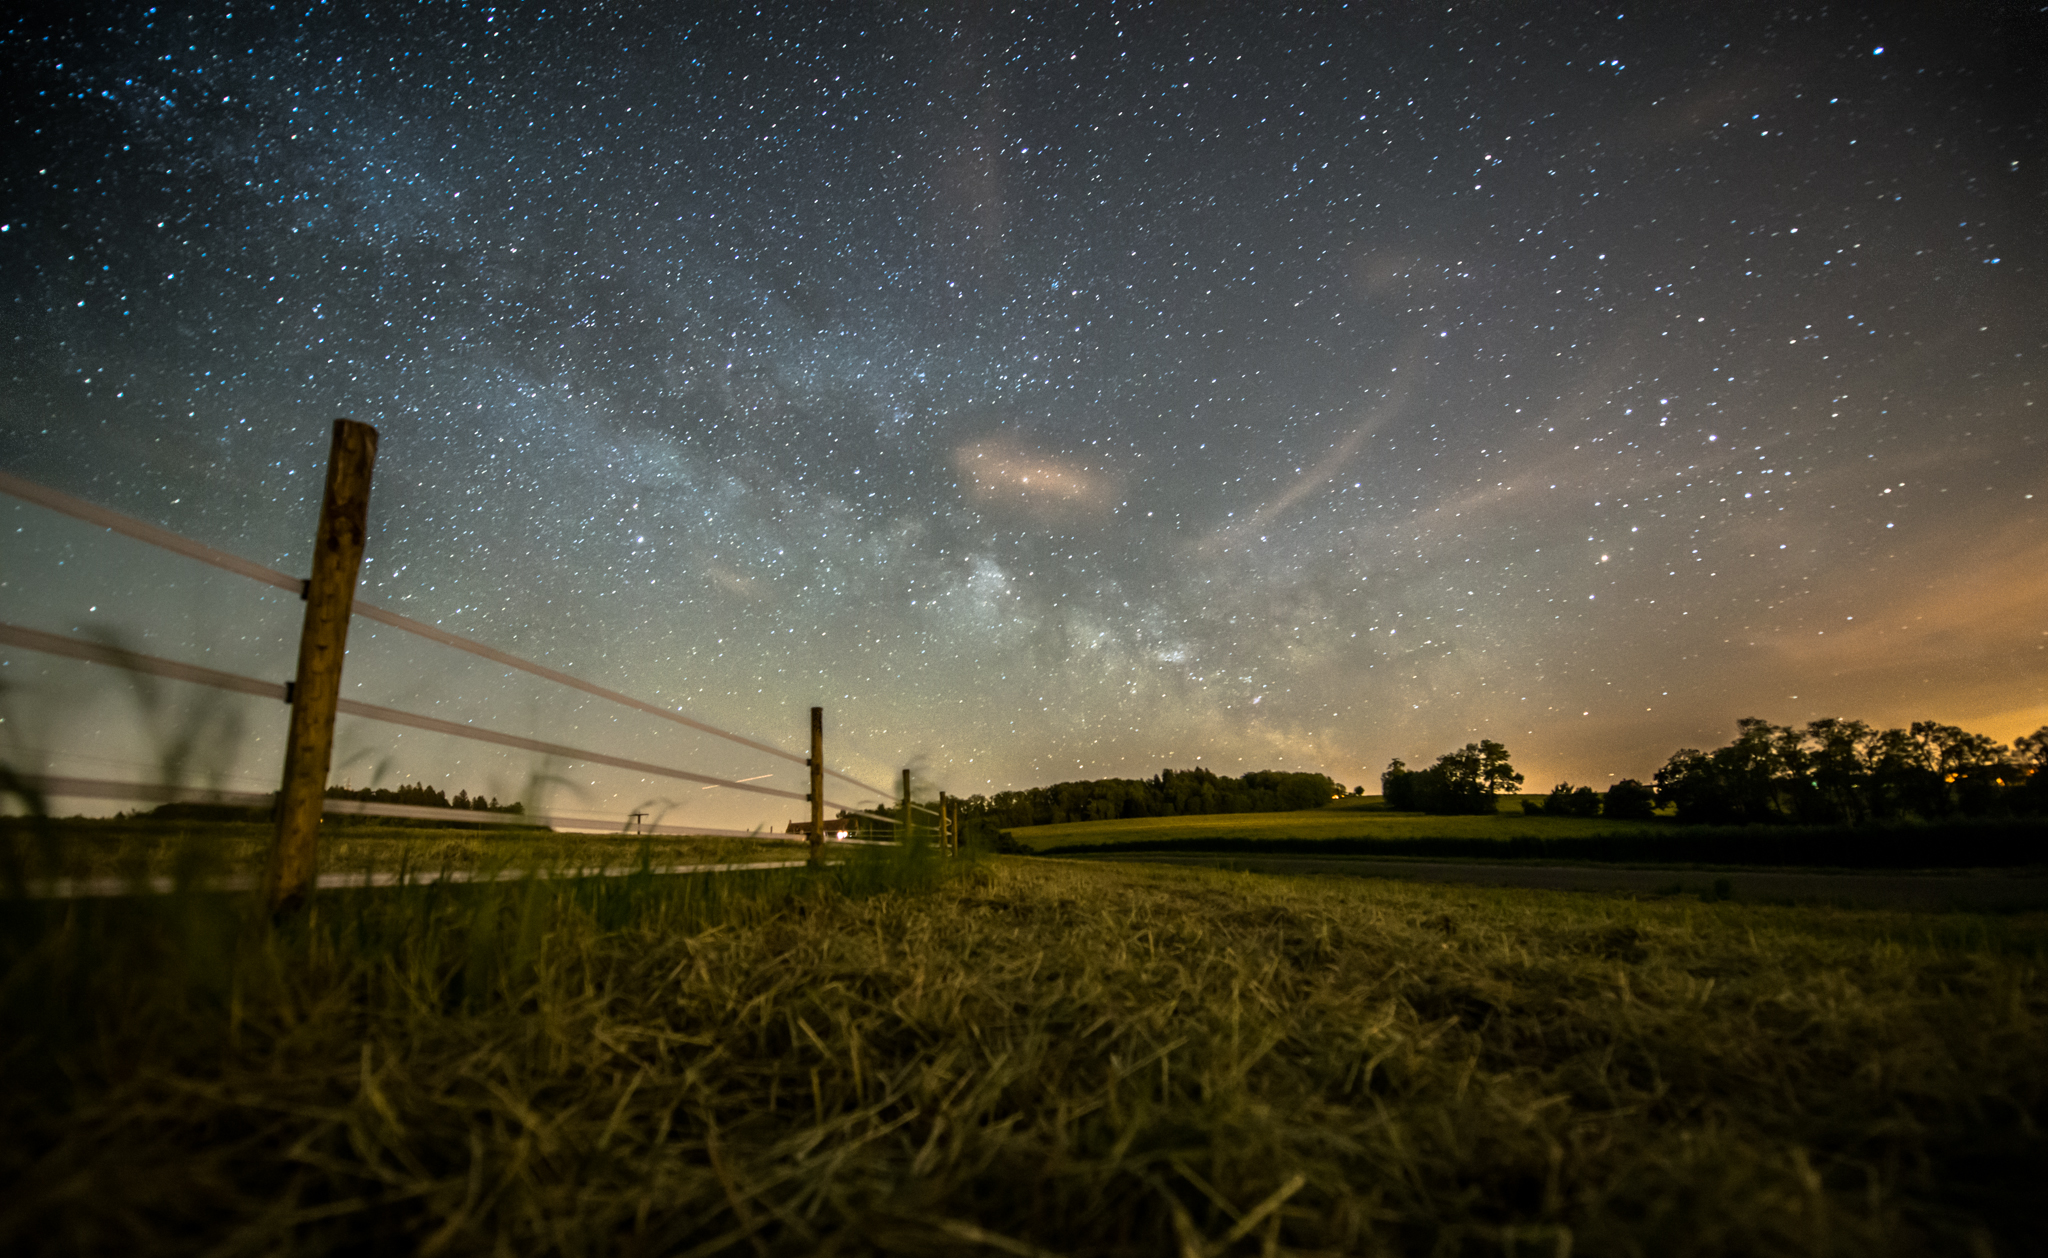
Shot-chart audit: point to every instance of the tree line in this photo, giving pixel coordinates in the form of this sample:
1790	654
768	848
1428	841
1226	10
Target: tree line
1846	771
420	795
1829	771
1171	793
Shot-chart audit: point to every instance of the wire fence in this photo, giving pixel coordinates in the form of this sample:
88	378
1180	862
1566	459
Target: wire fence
66	787
129	526
161	884
100	653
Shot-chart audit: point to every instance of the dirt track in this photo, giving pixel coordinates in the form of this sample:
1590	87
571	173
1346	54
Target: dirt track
1942	889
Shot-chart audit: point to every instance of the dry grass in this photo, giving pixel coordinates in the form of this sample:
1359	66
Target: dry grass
1031	1058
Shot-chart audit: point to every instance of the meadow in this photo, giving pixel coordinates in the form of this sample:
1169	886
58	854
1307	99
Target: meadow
1350	819
1017	1056
1364	828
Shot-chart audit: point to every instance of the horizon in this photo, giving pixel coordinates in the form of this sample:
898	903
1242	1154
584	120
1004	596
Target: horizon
1050	396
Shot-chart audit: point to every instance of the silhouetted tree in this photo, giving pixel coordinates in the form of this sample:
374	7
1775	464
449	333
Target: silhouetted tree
1397	787
1629	800
1566	800
420	795
1174	793
1462	781
1835	770
2031	767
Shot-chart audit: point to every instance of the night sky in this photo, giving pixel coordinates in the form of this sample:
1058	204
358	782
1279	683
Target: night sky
1048	392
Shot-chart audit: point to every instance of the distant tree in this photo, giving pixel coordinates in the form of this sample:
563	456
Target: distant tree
2030	766
1445	791
2031	751
1837	771
1970	766
1690	782
1462	781
1737	784
1753	766
1397	787
1566	800
1896	774
1629	800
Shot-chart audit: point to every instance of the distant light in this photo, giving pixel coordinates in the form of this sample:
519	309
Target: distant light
1877	51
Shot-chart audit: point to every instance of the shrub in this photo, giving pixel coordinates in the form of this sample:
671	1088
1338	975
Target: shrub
1630	800
1566	800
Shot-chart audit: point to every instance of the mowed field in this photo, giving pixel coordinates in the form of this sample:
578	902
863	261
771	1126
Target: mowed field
1349	820
1022	1057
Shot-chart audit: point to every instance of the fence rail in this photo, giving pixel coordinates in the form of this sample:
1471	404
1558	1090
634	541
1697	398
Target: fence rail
135	661
332	603
159	884
129	526
60	787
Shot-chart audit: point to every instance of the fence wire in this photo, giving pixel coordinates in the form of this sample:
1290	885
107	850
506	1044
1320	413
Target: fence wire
60	787
129	526
135	661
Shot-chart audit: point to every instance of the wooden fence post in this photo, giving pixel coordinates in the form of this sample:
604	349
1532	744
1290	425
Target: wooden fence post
908	830
330	596
817	763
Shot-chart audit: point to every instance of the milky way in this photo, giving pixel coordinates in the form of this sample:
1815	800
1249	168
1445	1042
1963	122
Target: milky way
1048	393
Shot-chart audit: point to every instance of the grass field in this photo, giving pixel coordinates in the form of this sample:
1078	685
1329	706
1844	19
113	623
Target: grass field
78	847
1019	1057
1339	821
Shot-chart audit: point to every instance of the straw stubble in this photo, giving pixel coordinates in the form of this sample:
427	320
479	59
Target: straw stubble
1033	1058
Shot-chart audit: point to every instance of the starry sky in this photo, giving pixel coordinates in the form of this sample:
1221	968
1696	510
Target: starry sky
1048	391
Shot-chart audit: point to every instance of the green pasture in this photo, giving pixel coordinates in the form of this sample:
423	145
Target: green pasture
1363	819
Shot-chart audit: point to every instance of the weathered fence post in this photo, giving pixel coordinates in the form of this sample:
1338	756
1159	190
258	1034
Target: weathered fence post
904	838
817	763
330	595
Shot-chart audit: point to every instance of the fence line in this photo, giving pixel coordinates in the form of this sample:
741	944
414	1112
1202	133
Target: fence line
98	788
133	661
102	888
92	513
